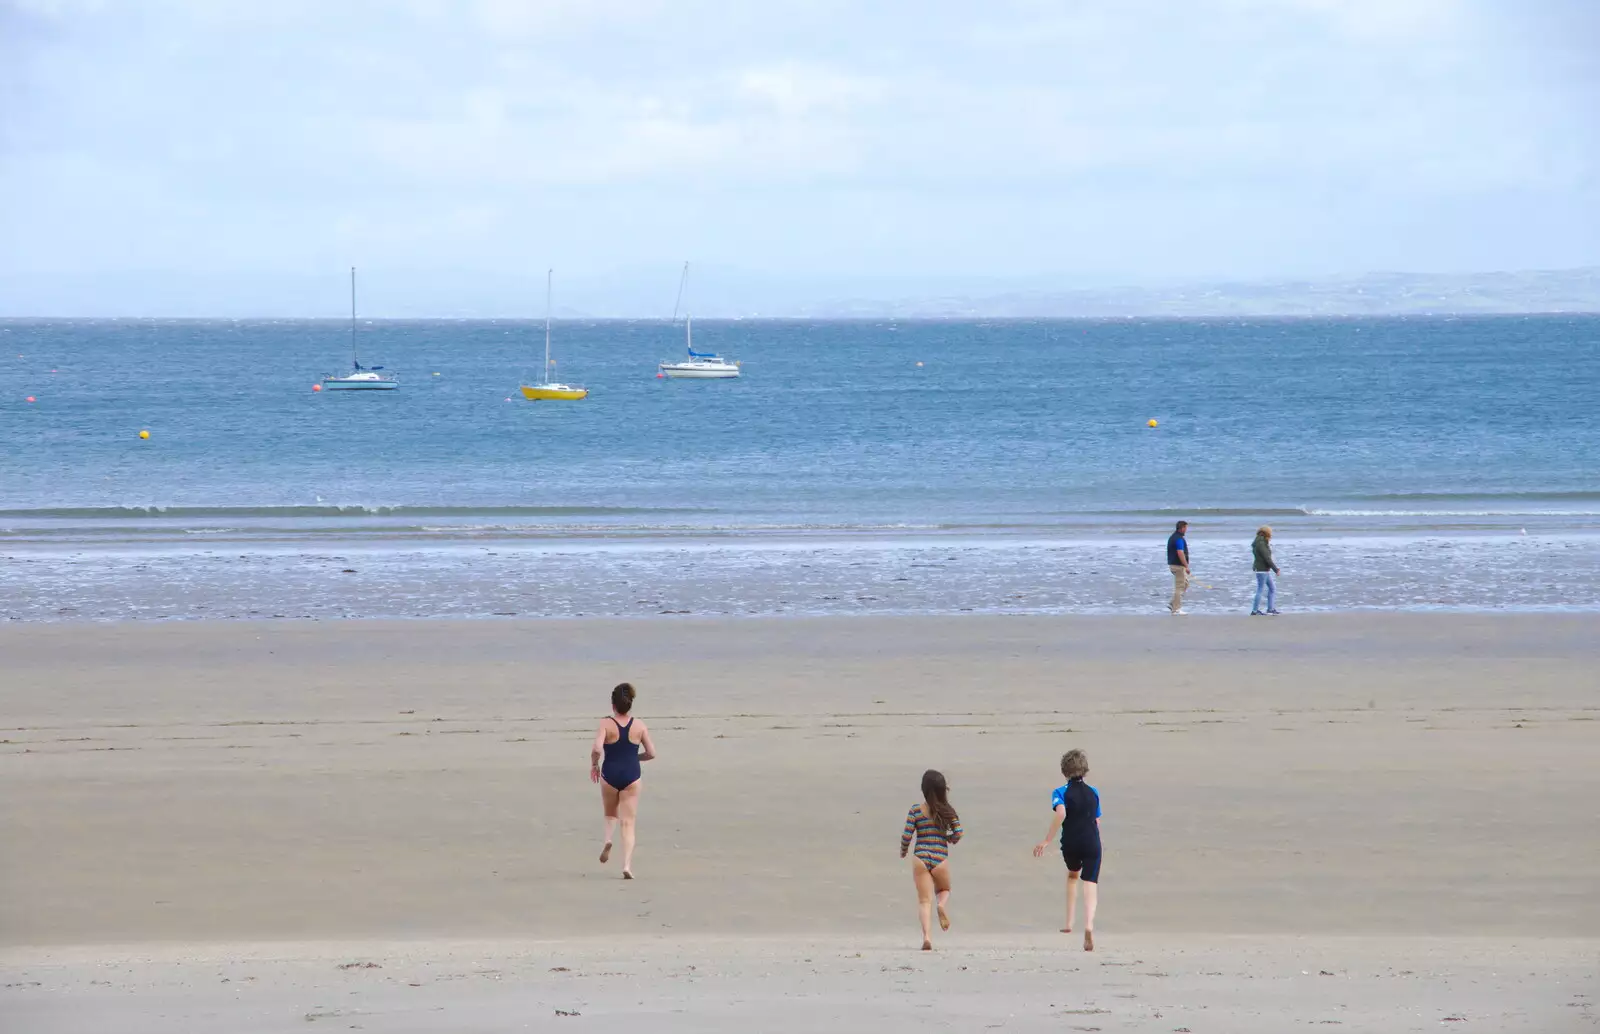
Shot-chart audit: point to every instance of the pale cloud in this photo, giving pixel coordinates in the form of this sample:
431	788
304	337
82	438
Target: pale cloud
1243	137
1378	21
794	88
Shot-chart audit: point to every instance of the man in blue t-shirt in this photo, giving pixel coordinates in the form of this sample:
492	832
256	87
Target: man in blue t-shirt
1178	564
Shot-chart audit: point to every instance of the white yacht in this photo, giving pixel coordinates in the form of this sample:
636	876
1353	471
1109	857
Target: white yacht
360	378
700	365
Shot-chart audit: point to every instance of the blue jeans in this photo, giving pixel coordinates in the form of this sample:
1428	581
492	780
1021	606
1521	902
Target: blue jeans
1264	581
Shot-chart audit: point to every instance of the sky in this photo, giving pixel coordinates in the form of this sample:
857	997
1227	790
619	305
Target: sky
204	157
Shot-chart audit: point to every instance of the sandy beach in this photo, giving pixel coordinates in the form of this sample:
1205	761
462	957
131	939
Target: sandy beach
1404	802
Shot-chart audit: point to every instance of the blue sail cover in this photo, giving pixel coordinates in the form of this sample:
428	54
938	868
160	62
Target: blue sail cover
701	355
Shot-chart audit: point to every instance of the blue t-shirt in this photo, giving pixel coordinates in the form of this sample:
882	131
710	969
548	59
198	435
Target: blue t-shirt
1175	543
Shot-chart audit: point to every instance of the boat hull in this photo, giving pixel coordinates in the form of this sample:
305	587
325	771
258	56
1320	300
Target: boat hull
553	392
341	385
687	372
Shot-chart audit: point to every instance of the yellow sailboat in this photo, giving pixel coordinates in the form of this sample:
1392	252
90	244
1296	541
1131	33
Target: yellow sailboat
547	389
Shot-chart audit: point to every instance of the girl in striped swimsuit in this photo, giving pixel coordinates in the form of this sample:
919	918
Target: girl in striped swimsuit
934	825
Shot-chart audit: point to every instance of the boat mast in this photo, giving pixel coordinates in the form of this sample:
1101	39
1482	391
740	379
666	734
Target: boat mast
547	275
688	321
353	357
683	282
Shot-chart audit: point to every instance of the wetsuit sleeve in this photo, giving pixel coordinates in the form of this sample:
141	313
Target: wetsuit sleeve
910	831
1058	797
955	833
1096	802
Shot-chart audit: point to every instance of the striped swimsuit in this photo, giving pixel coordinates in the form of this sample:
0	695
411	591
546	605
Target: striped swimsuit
933	843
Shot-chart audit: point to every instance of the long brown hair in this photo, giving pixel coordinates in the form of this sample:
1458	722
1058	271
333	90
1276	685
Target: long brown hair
936	800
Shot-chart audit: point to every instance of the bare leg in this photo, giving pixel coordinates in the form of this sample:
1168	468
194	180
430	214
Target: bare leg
941	890
608	800
627	814
924	881
1072	900
1091	898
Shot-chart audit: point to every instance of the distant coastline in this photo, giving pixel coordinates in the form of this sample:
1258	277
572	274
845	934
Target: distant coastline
1374	294
735	294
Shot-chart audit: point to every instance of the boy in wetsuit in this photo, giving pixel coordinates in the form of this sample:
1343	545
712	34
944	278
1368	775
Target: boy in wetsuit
1077	814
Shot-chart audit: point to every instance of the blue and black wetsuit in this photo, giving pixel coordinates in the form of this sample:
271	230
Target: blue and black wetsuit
1080	832
620	769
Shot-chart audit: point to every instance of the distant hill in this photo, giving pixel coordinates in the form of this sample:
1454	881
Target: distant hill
731	292
1372	294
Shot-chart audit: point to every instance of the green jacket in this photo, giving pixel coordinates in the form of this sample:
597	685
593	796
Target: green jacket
1261	552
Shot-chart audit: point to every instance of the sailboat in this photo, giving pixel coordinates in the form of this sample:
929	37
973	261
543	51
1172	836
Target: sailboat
548	389
700	365
361	378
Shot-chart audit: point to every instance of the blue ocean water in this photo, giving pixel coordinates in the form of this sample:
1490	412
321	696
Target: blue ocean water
1403	462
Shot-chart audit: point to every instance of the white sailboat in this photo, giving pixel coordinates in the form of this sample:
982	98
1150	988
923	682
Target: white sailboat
699	365
361	378
547	389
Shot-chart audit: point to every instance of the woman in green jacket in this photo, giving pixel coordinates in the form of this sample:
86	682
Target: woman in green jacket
1266	571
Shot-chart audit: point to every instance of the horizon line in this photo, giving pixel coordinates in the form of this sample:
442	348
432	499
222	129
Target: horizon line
841	318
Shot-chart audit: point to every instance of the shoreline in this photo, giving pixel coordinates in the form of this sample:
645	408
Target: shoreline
1489	573
667	617
761	533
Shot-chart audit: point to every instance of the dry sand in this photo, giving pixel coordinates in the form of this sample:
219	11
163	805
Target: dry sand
1404	801
1227	985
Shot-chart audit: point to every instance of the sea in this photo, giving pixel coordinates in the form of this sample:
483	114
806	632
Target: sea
857	467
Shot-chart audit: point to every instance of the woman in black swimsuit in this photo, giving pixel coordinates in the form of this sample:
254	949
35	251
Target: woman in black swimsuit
618	740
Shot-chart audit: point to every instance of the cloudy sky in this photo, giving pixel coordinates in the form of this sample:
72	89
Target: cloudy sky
216	157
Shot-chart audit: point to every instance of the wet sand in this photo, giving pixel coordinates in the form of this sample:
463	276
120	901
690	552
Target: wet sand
1378	787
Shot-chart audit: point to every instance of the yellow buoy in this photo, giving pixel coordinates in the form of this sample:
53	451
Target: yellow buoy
144	434
1151	424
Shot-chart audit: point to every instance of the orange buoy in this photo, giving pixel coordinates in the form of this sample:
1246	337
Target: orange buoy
32	399
316	387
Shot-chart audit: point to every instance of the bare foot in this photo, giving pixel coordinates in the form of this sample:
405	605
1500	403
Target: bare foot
1088	940
944	919
927	945
605	853
627	875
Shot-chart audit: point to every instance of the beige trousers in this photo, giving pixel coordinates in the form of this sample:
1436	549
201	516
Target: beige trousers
1180	585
